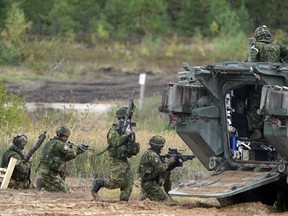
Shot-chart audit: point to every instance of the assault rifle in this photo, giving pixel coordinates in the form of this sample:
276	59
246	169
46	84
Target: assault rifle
83	147
41	139
129	113
179	157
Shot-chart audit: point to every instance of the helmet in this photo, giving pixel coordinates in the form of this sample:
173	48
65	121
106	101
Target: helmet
63	130
121	112
261	31
20	140
157	141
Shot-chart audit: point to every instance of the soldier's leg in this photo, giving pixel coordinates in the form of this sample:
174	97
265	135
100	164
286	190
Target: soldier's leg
117	174
167	182
126	188
54	183
154	192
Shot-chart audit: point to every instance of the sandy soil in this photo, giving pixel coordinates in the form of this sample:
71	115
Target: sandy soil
79	202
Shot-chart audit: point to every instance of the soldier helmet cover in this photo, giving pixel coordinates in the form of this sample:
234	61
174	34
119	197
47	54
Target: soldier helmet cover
261	31
121	112
20	140
157	141
63	130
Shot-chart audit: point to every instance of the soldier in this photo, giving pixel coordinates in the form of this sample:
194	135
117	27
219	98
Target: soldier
121	147
21	175
154	172
265	49
56	152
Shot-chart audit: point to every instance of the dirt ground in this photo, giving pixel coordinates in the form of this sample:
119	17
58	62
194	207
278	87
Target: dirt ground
79	202
109	85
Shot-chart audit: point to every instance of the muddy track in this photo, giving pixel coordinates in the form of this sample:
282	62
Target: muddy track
109	86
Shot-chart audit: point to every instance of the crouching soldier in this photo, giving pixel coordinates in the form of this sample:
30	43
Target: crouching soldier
56	152
20	178
122	146
154	172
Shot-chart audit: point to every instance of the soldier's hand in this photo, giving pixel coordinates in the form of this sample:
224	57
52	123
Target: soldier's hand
172	160
30	159
128	131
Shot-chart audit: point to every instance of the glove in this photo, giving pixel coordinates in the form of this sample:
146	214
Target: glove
70	144
128	131
171	160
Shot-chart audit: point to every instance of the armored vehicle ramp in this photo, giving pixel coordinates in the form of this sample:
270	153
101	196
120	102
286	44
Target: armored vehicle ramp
225	184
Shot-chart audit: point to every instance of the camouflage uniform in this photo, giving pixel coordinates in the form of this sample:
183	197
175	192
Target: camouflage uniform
254	97
20	178
265	49
120	175
154	174
52	167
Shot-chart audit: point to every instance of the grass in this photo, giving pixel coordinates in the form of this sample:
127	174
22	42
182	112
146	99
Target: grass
61	60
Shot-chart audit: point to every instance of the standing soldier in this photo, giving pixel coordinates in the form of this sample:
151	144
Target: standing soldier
56	152
154	172
21	175
121	147
264	49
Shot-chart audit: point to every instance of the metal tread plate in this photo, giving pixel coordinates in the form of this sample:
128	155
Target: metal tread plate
225	184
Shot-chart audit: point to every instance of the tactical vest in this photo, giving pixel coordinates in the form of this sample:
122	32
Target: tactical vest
126	149
51	158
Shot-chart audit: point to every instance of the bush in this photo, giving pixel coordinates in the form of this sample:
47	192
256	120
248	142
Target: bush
6	55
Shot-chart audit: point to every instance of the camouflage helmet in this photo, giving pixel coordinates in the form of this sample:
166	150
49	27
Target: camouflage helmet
157	141
121	112
63	130
20	140
261	31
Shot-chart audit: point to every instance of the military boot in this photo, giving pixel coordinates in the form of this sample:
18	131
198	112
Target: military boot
40	183
96	185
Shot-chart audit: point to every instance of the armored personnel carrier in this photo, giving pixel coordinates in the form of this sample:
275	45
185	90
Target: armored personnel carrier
211	106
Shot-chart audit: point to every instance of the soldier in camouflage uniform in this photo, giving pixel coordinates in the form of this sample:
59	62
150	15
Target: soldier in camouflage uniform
21	175
56	152
121	147
154	172
265	49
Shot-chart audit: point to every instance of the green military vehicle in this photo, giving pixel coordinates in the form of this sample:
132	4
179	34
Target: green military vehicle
210	107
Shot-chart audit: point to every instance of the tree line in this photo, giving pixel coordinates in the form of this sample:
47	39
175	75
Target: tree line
135	19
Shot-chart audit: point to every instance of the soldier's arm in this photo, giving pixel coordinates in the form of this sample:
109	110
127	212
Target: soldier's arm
254	51
20	166
283	52
156	162
117	139
69	152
